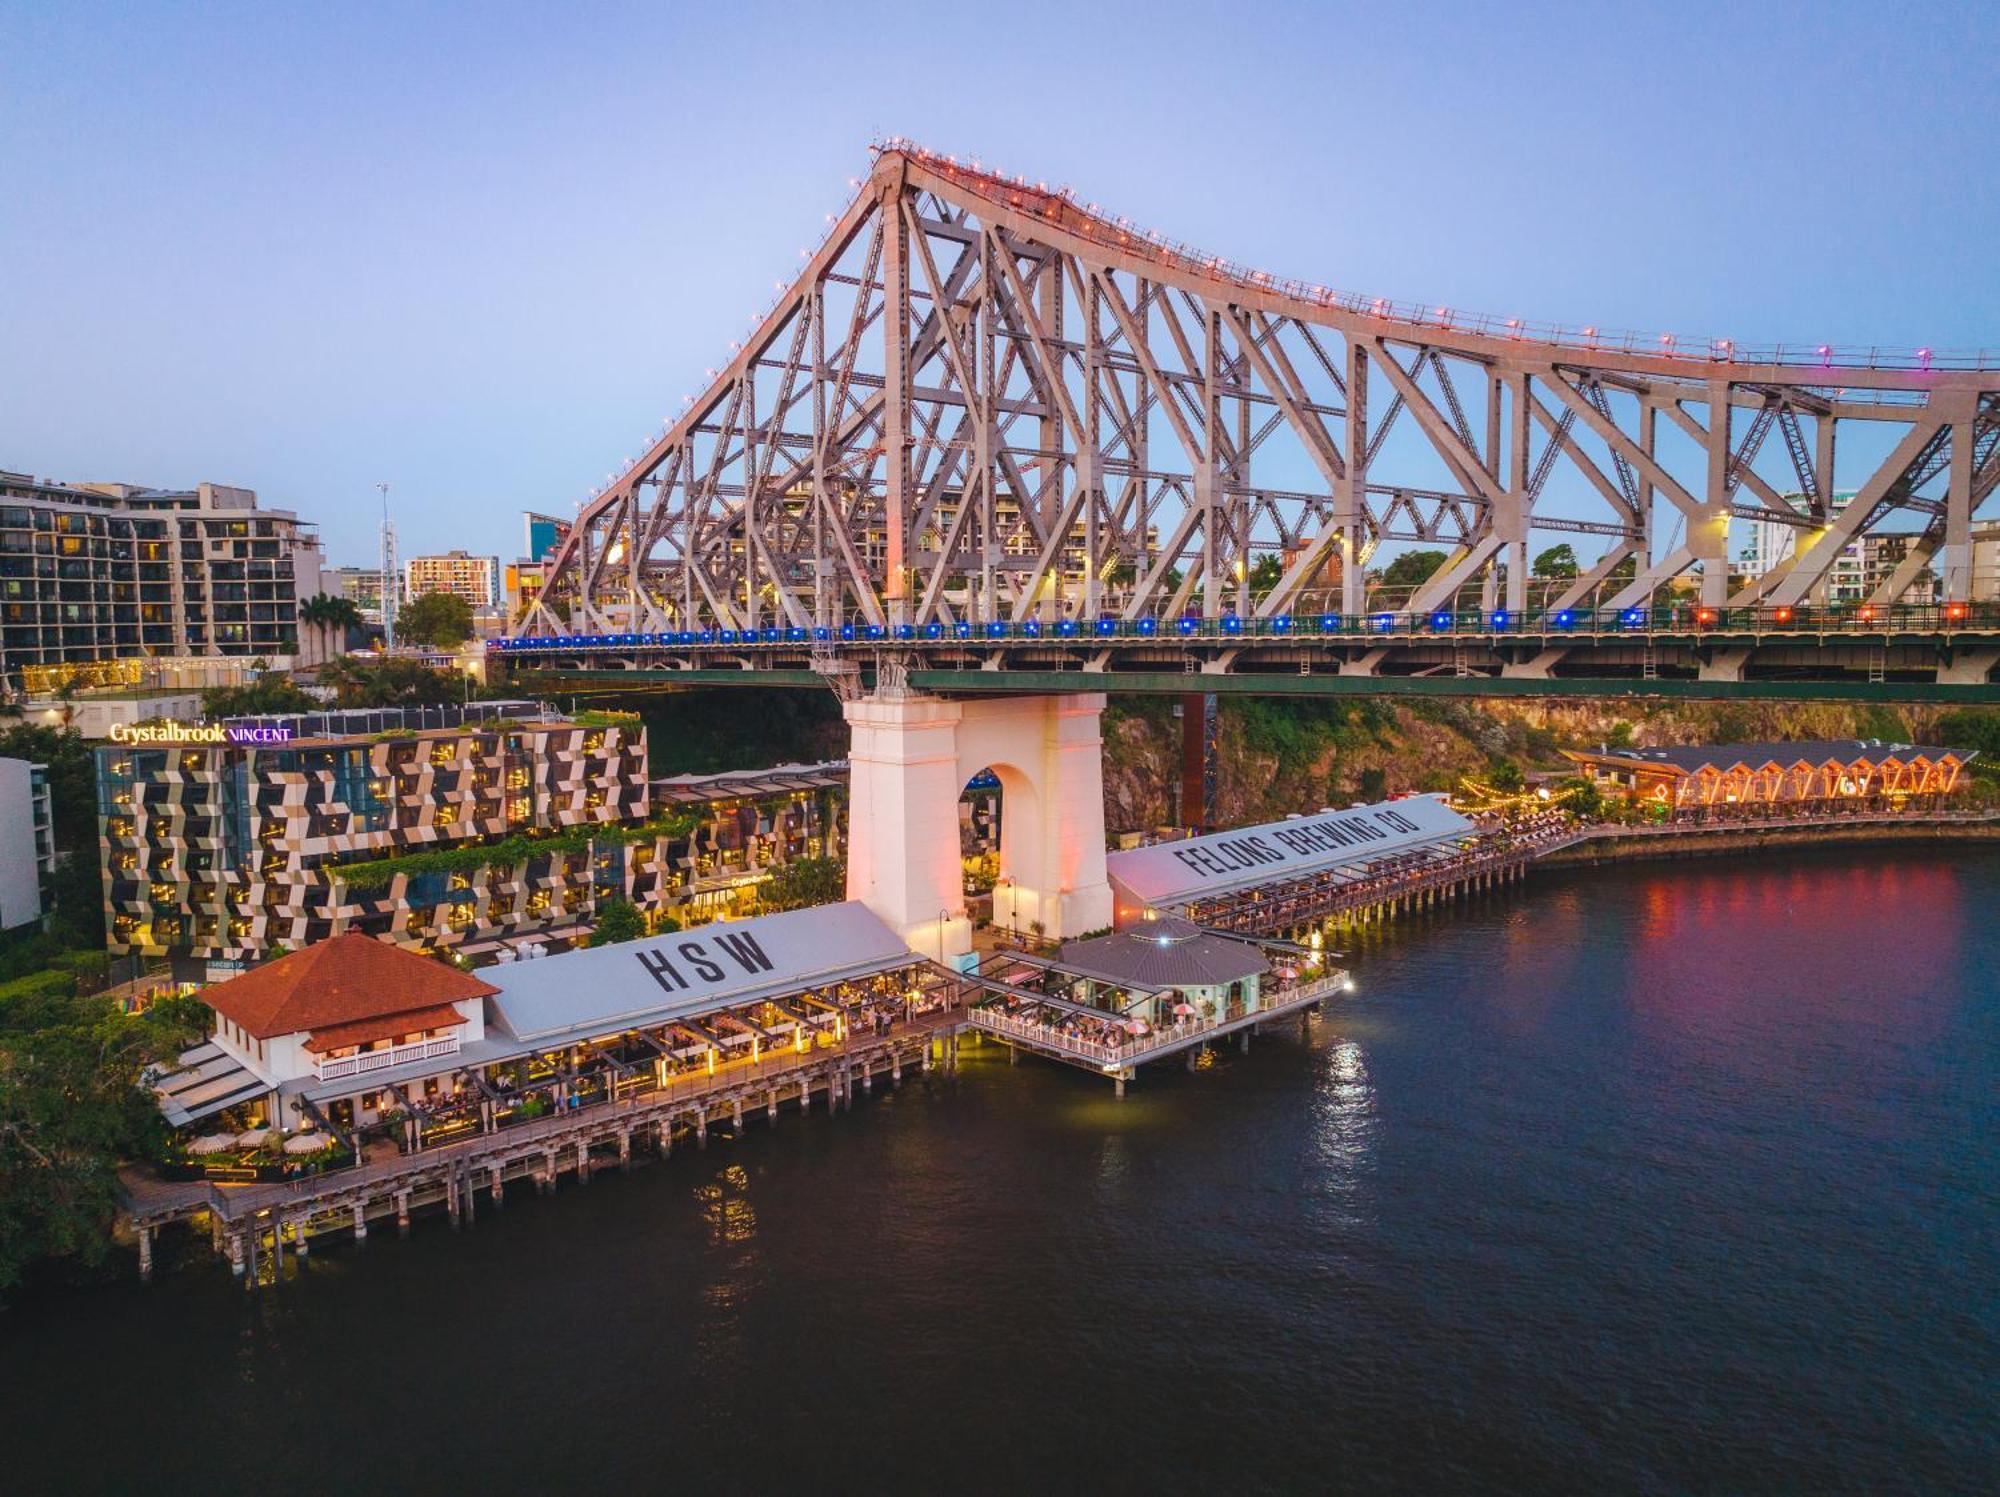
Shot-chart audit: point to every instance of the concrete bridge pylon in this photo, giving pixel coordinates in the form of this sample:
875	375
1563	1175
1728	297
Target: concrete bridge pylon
909	762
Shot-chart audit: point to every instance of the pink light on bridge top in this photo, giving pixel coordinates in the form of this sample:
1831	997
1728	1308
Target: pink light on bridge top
1099	225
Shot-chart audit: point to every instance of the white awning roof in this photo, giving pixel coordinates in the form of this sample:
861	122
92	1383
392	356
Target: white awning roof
207	1080
1172	873
554	999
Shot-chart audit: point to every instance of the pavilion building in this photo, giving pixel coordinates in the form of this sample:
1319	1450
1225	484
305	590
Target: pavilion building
354	1035
1825	774
1285	875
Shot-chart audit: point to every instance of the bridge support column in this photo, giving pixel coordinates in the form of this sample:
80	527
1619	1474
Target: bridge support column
1968	667
1723	664
911	758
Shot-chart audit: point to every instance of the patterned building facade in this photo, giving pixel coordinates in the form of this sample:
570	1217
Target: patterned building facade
224	852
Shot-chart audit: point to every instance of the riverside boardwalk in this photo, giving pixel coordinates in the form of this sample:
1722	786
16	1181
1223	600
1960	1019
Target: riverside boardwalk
355	1082
255	1225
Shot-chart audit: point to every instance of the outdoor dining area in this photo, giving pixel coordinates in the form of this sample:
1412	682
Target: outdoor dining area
257	1153
1160	986
269	1096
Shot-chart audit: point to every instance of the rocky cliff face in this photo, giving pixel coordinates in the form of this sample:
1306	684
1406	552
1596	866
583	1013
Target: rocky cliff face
1278	755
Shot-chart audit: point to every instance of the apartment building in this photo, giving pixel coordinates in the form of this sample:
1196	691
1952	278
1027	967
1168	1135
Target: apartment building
105	572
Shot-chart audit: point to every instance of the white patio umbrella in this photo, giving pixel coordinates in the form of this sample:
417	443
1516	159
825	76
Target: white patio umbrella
212	1143
251	1138
307	1143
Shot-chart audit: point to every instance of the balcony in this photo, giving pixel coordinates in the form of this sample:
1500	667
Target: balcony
334	1068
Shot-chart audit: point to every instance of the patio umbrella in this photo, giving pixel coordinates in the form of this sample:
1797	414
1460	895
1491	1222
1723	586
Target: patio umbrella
1183	1008
251	1138
212	1143
307	1143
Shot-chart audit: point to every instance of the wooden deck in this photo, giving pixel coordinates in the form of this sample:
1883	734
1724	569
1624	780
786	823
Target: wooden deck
254	1224
1121	1062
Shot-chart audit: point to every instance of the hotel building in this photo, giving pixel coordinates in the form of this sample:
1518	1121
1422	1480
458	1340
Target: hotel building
92	574
471	830
221	852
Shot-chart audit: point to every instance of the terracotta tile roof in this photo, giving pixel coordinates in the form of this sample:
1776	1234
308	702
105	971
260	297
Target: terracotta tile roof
387	1027
344	980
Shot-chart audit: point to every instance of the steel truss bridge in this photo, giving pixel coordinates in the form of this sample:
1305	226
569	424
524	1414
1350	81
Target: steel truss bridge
1009	434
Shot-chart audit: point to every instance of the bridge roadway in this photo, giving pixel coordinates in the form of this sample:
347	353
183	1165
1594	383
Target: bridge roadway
1885	655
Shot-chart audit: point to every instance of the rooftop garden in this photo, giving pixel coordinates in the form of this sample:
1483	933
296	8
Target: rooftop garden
377	873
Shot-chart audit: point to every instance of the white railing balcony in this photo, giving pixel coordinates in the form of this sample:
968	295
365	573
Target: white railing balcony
334	1068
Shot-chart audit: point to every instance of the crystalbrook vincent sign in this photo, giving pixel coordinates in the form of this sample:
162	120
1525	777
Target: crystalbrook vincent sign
169	731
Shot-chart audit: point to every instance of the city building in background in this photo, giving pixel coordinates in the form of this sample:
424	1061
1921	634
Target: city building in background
473	578
92	574
541	534
1986	563
522	579
27	843
523	583
1865	564
1825	774
361	586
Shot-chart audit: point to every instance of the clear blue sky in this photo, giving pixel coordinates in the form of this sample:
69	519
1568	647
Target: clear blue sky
476	250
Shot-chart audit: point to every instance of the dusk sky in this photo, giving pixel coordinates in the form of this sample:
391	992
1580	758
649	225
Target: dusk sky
478	251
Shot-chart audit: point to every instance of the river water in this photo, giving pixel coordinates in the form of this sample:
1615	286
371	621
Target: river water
1683	1178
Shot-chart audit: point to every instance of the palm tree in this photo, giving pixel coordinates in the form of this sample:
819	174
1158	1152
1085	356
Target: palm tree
331	618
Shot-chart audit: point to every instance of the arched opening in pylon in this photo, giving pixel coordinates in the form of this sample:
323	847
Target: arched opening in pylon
996	821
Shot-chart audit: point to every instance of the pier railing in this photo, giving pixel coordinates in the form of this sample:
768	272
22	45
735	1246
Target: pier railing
1157	1036
154	1201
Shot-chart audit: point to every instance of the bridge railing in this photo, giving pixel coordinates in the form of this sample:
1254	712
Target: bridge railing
1678	617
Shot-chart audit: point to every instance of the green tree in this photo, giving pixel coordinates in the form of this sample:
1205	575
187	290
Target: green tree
1580	795
392	681
1557	561
72	777
1412	569
803	882
334	618
72	1104
1373	785
1266	572
441	621
1971	728
1505	774
617	920
271	694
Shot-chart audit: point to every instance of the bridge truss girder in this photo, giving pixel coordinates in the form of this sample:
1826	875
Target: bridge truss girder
982	402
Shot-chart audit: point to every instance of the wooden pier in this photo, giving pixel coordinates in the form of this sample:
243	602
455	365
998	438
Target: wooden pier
255	1225
1121	1062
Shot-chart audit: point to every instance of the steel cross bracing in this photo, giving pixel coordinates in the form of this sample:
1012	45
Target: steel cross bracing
982	402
